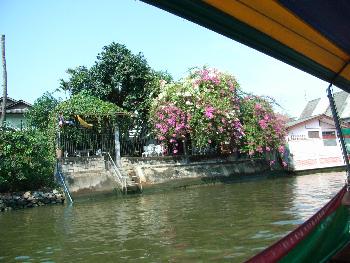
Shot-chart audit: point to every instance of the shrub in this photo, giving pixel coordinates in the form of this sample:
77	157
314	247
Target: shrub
203	106
27	160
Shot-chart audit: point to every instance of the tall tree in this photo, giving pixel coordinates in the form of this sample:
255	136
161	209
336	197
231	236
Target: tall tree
39	115
4	75
118	76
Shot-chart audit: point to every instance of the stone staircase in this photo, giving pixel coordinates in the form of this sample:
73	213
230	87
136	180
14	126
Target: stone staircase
95	174
134	183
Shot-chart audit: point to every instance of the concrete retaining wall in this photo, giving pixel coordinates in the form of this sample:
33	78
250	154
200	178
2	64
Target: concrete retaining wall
156	172
86	175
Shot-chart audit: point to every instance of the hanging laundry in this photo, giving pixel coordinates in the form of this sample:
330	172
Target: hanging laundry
83	123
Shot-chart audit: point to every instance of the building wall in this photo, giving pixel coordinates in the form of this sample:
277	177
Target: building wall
312	153
16	121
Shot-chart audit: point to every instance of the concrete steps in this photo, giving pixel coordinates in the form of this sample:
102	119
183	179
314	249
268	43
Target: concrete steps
92	173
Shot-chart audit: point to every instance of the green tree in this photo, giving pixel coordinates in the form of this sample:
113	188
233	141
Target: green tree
38	115
118	76
26	160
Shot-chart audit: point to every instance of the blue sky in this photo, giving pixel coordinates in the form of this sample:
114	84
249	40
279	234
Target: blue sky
44	38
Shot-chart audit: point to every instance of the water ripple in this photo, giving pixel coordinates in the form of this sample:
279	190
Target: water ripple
216	223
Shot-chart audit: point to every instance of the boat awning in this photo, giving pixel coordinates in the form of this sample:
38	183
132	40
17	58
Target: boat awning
311	35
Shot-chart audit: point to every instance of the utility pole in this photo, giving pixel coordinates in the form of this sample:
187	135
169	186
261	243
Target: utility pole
4	77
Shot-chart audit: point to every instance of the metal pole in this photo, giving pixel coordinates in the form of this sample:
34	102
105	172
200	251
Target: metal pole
339	132
117	146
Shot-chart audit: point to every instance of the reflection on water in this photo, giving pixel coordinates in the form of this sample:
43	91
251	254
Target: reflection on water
216	223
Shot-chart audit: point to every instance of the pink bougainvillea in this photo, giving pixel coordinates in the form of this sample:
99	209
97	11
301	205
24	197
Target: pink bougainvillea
209	108
171	123
265	130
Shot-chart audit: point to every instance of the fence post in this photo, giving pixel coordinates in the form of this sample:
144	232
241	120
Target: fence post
117	146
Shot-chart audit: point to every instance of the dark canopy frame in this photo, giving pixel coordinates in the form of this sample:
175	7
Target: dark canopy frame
310	35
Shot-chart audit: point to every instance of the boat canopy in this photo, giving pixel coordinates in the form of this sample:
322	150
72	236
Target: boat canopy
311	35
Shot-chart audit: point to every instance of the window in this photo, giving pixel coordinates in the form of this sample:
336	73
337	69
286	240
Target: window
329	138
313	134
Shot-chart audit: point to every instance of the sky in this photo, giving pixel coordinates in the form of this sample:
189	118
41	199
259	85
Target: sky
45	38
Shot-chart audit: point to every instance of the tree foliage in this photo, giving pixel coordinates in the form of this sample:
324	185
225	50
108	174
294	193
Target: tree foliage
264	129
103	117
26	160
38	115
118	76
85	104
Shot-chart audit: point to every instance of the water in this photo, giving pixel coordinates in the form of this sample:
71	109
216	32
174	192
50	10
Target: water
217	223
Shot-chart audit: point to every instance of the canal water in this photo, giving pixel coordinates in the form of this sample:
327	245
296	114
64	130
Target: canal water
216	223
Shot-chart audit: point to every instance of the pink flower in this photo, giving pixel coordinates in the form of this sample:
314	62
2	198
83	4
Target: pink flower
175	151
164	129
281	149
171	122
268	148
284	164
272	162
259	149
263	124
258	106
209	141
209	112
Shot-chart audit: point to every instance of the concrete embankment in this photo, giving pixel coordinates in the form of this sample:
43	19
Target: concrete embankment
159	173
88	177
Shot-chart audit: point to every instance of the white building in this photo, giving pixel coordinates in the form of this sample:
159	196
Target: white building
313	143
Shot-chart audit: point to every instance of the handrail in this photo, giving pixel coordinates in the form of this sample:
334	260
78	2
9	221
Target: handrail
117	173
339	133
60	176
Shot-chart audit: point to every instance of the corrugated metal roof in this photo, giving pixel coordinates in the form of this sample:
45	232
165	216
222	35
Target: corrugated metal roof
339	99
17	107
309	108
317	106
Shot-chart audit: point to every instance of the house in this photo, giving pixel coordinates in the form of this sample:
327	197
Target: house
313	142
15	110
321	106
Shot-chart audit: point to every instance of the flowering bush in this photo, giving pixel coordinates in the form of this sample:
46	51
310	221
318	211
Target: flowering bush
265	130
171	124
209	108
204	106
214	108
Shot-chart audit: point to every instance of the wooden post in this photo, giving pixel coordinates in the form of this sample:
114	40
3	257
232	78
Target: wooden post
4	76
117	147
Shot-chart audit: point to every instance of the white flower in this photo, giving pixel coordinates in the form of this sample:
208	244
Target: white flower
162	82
